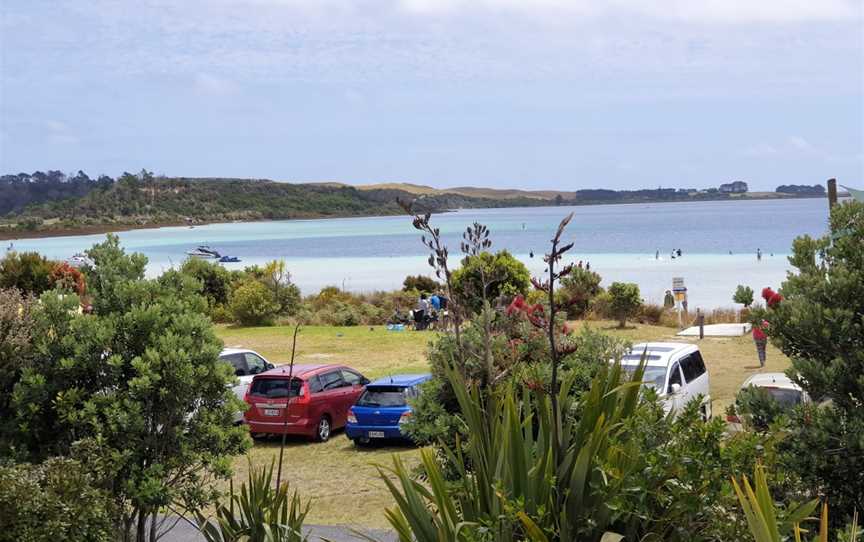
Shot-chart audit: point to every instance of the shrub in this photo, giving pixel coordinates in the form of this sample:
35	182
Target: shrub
29	272
252	304
489	276
578	289
55	500
743	295
624	301
215	280
816	320
651	313
420	283
757	408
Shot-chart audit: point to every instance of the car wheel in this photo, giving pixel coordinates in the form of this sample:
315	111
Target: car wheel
322	431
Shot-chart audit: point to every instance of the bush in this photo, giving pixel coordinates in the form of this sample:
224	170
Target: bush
55	500
252	304
651	313
502	273
743	295
29	272
578	289
215	280
624	301
757	408
420	283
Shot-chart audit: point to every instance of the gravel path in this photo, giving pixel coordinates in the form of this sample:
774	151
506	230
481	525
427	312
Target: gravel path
183	532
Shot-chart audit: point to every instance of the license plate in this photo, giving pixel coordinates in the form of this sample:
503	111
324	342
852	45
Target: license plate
376	434
271	411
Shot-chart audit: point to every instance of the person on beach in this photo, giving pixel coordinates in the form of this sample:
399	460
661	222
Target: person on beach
657	255
761	340
758	254
668	300
678	252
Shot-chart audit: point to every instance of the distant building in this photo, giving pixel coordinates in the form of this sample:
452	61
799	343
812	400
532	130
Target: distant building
735	187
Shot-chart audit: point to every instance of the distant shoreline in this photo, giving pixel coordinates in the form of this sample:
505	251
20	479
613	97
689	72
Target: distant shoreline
9	234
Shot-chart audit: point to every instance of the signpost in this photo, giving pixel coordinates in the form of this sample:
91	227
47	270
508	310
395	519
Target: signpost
680	292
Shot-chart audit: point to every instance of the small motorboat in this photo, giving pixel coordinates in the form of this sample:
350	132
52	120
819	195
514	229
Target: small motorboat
203	251
229	259
78	259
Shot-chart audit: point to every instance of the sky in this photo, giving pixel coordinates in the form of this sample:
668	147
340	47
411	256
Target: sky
534	94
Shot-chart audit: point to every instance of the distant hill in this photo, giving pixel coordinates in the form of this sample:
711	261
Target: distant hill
52	203
144	200
472	192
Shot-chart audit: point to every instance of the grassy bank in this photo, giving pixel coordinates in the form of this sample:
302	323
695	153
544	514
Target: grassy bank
342	481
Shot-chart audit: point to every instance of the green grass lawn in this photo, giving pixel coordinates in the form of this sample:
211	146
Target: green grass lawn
342	481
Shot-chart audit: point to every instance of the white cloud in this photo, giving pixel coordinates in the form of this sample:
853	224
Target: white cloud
59	132
789	147
704	11
206	83
800	144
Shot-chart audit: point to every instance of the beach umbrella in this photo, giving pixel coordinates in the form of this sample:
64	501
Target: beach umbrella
856	194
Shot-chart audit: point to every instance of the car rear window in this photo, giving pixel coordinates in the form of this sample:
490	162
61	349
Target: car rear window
638	357
276	387
786	398
383	396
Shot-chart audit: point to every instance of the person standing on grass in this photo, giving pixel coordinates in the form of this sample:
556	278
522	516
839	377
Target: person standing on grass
420	312
761	340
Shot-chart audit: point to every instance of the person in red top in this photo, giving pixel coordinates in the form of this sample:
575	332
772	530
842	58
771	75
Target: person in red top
761	340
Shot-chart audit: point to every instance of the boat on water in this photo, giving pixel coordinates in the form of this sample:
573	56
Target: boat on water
229	259
203	251
78	259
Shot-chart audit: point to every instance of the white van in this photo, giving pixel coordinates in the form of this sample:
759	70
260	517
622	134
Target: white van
675	370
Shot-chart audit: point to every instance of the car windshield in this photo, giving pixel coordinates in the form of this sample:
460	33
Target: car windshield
786	398
383	396
276	387
654	377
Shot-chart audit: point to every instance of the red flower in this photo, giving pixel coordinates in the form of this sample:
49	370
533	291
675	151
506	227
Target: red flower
516	305
774	300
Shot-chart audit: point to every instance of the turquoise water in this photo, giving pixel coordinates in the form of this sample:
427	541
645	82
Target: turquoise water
620	241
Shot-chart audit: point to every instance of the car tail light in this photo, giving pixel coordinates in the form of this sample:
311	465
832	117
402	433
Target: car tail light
304	397
351	417
732	418
404	417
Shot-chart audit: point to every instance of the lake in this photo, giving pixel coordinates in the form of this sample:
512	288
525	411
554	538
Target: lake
620	242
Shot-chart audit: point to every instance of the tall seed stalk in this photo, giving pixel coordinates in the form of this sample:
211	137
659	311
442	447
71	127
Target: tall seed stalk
548	286
438	261
287	405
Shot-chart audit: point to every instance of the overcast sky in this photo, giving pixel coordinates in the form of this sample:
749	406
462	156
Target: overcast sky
509	93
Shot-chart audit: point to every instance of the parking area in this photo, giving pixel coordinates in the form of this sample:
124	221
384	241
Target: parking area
342	479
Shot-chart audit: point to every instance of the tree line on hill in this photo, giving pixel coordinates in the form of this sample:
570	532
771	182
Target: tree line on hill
143	198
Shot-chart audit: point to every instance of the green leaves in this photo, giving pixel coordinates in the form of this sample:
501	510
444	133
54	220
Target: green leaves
257	513
509	484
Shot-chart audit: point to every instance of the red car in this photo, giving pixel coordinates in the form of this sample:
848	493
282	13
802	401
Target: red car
320	396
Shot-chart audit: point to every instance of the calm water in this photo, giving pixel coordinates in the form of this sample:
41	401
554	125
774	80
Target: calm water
620	241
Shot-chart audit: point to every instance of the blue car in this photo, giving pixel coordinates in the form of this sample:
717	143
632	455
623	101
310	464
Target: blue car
382	408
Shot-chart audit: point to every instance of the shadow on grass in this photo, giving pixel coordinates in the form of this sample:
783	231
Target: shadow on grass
294	441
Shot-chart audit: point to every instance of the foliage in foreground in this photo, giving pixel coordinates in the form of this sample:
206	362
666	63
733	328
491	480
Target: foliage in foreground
137	382
769	523
818	321
258	512
56	500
